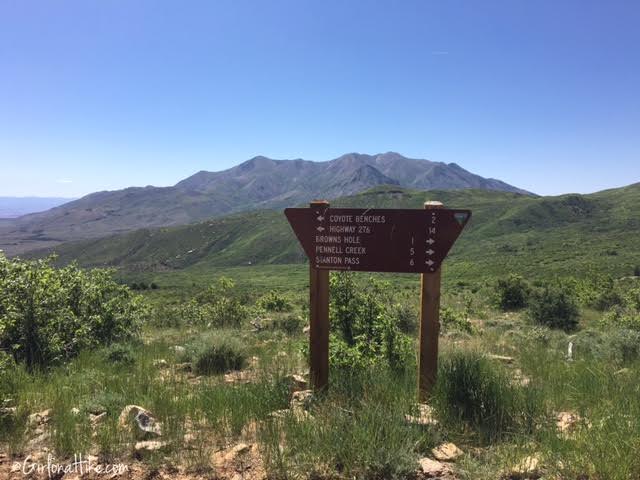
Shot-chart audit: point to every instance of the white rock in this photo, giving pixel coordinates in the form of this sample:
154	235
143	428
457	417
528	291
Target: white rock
39	418
301	399
296	382
160	363
233	453
145	420
567	421
447	452
149	446
434	469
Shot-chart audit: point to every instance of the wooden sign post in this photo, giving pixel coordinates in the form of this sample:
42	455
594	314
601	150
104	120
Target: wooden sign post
376	240
429	331
319	319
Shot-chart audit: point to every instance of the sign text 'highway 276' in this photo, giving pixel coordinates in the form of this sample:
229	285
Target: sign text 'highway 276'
377	240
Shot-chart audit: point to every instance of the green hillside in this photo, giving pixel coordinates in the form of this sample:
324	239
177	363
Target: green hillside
569	234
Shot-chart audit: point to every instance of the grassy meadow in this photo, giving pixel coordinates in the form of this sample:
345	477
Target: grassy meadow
221	367
189	360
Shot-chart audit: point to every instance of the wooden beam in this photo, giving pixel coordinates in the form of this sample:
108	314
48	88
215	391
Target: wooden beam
429	327
319	320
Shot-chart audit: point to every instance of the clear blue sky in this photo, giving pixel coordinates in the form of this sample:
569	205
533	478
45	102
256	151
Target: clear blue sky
101	95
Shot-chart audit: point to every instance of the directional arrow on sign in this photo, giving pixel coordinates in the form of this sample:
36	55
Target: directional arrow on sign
384	240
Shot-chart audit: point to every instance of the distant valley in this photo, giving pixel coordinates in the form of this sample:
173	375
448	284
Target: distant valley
13	207
259	183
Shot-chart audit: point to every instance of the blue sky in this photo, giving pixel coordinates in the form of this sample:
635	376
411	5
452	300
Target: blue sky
99	95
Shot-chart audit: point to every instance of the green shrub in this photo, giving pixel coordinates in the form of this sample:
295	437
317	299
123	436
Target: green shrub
554	306
632	297
164	316
622	316
607	299
512	292
623	346
397	348
364	330
48	315
404	317
227	312
603	293
6	362
473	390
119	354
344	357
138	286
452	320
346	306
289	324
224	312
223	288
217	354
214	307
274	302
189	313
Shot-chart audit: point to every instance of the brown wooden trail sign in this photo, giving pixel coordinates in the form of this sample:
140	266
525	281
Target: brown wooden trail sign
376	240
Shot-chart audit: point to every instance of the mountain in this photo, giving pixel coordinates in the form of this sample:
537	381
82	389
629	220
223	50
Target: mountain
13	207
257	183
568	234
279	182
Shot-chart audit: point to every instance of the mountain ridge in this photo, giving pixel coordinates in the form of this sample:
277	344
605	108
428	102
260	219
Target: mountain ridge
259	182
